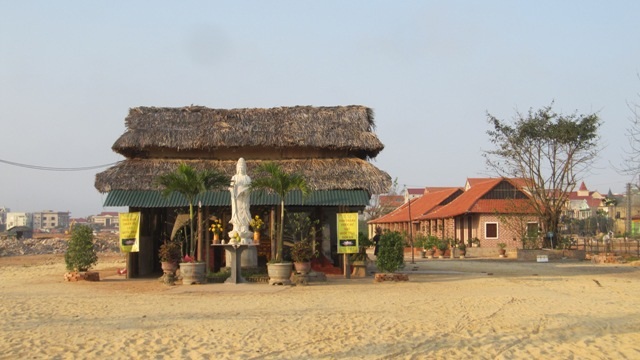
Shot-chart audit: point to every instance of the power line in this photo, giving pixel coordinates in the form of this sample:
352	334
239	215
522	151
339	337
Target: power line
49	168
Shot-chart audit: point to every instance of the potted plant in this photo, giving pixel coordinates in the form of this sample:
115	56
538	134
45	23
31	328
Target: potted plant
216	228
256	224
462	247
189	183
301	253
475	242
170	253
430	245
359	260
419	244
301	231
442	246
502	251
272	178
81	254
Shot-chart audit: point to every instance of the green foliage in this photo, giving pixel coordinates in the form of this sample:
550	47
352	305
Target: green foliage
391	253
189	183
442	244
81	254
363	242
300	227
502	246
271	177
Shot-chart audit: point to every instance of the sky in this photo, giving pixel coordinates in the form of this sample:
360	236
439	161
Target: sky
431	71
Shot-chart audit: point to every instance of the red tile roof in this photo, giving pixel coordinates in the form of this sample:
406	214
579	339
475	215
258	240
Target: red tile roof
419	206
583	187
391	200
108	213
591	199
471	201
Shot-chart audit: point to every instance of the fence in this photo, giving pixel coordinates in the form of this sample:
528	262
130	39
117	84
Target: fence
619	246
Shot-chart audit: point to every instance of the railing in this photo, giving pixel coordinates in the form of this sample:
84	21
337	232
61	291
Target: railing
616	245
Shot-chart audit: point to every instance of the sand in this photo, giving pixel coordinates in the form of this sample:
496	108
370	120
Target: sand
450	309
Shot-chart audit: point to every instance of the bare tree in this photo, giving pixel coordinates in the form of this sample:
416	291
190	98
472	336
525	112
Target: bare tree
376	208
631	165
549	151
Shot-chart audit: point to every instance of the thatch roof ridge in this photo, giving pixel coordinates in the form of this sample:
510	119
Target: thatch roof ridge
321	174
346	128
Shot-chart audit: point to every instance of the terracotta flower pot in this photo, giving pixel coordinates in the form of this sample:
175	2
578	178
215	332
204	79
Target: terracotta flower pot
169	267
302	267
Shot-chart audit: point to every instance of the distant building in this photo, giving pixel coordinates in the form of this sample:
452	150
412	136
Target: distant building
412	193
3	217
49	219
584	203
19	219
106	219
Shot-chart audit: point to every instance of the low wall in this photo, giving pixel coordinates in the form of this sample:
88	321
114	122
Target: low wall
532	255
479	252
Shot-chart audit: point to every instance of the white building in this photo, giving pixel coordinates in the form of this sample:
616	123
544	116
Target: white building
19	219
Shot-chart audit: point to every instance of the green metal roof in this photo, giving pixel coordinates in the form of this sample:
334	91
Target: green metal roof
154	199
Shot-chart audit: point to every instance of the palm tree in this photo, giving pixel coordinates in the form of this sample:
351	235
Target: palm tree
190	183
274	179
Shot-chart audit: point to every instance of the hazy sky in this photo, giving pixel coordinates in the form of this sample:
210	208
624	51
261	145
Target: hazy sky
431	70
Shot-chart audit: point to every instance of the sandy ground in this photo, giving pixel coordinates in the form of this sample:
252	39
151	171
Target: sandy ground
450	309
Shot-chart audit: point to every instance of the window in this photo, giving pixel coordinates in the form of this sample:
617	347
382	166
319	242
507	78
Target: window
532	230
491	230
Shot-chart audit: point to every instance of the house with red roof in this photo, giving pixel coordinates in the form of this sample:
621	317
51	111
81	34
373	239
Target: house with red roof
400	218
584	203
492	210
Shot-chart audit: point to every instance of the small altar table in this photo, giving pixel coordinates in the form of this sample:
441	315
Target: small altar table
236	253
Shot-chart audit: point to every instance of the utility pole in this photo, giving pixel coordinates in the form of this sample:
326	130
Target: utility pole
627	225
411	232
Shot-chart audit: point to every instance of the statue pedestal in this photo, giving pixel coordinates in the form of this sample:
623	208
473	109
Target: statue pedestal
248	258
234	253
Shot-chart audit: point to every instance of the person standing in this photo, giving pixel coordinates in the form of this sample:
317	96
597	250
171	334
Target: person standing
376	241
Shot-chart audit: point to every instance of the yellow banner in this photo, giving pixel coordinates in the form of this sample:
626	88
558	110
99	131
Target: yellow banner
347	233
129	232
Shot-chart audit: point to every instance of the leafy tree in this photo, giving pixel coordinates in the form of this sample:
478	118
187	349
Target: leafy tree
549	151
189	183
391	253
81	254
272	178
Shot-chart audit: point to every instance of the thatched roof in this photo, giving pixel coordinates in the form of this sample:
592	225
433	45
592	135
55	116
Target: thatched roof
347	129
321	174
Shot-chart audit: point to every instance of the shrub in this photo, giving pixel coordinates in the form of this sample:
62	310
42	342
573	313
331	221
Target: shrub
391	253
170	251
81	254
302	251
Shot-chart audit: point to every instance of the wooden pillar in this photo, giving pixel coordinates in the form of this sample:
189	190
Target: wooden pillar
272	231
200	247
